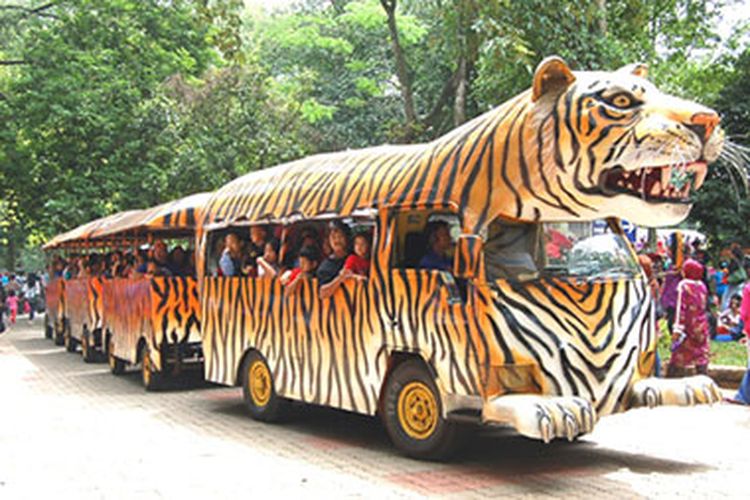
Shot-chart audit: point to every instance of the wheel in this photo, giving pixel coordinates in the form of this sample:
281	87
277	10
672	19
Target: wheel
412	414
150	377
116	365
71	344
258	392
89	354
60	334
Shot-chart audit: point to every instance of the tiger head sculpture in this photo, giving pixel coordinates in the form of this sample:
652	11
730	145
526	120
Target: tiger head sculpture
610	144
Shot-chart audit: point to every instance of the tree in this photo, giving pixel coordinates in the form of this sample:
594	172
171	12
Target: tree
69	151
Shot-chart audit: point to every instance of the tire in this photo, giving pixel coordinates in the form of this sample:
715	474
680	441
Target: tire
87	349
71	344
60	334
412	414
258	391
151	378
116	365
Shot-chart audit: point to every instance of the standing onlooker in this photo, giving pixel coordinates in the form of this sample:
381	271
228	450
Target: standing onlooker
743	393
736	275
12	303
31	291
690	339
648	269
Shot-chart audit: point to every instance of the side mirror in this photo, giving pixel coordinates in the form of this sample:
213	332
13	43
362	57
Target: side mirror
468	256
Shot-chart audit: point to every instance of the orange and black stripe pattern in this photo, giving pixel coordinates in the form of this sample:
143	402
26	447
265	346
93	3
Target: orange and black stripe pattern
163	312
551	336
542	156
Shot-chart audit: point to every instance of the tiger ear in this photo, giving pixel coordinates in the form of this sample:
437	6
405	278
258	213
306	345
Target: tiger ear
552	74
637	69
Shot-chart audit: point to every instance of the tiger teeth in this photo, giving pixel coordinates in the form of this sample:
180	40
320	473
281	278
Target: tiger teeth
700	170
666	175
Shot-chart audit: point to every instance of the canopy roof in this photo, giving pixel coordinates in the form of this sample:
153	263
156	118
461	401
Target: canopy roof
172	219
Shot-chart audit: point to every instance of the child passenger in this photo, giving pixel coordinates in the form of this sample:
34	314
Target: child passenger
268	264
359	261
308	263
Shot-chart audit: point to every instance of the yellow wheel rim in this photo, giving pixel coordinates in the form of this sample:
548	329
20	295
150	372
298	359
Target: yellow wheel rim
417	410
259	381
146	369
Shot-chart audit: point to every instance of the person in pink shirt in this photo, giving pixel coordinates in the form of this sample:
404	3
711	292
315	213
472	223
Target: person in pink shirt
12	304
743	393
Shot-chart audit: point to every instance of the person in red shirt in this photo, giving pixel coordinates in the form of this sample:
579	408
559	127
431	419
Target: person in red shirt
359	261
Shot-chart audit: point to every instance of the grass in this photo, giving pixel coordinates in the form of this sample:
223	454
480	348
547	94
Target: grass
722	353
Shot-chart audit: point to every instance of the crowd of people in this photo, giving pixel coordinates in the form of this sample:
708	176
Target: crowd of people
698	302
155	260
20	293
331	256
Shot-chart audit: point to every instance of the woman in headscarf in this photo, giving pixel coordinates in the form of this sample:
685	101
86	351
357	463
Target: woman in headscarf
690	339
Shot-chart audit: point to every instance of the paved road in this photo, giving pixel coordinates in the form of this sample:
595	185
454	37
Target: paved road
72	430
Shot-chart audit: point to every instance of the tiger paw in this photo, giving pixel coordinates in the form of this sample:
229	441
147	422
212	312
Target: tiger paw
687	391
542	417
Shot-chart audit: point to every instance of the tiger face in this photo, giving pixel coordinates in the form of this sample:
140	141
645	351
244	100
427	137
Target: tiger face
619	146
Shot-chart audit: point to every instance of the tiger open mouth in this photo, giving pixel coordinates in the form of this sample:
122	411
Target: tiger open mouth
669	183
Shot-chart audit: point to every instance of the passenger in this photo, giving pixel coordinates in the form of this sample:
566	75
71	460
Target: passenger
255	249
331	272
440	243
308	237
127	267
177	261
359	261
308	263
154	269
268	264
160	254
231	258
140	264
190	270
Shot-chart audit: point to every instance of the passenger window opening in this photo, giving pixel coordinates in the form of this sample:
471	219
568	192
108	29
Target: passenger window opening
425	240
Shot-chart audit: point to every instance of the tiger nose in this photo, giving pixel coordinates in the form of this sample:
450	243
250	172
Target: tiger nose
703	124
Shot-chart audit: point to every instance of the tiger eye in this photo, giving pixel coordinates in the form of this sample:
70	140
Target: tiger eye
622	101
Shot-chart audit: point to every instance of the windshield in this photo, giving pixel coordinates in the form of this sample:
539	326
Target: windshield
588	250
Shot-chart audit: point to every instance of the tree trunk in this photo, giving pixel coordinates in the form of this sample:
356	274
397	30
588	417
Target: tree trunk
10	256
602	18
402	70
462	84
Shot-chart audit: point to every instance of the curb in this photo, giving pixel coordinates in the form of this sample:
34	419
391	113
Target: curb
725	376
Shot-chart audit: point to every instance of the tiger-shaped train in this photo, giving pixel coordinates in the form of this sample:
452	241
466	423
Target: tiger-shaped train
505	338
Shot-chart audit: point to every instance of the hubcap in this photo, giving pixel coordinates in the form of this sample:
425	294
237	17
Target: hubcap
417	410
259	380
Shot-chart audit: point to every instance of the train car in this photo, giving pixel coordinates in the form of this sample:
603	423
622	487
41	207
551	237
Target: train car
153	320
540	320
